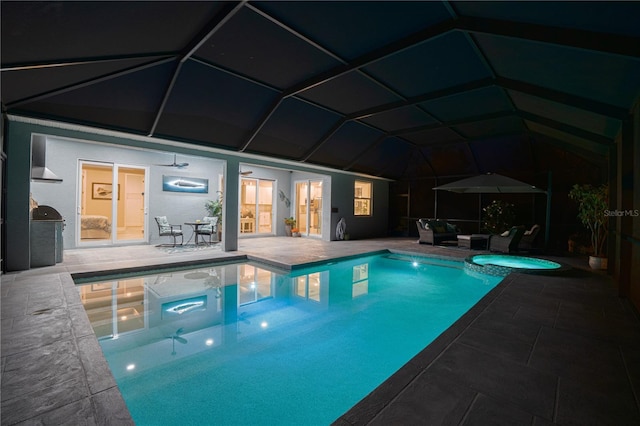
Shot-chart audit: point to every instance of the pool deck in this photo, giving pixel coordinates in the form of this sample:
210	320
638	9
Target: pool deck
537	350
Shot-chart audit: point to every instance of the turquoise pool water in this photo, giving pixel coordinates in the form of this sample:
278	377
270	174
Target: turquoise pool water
242	344
503	264
517	262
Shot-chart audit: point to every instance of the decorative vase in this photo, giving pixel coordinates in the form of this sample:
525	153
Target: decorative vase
596	262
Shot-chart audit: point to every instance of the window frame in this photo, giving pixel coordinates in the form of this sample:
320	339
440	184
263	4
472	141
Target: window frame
357	198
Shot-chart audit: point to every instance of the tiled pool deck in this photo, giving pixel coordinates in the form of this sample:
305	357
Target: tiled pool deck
537	350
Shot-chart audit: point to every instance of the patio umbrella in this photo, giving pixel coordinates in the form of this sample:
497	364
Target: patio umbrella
492	183
489	183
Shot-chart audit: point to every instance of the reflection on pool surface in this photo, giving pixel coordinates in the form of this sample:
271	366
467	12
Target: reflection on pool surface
244	344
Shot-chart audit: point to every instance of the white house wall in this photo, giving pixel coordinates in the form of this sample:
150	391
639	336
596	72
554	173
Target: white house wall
63	157
136	150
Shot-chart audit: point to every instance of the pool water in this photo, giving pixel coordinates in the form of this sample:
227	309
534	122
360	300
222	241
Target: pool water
243	344
502	265
517	262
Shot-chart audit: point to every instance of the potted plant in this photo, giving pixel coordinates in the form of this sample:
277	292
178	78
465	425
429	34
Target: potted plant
289	223
214	209
295	232
498	217
593	201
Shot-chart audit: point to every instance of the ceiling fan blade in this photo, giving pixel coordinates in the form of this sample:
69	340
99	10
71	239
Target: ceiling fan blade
174	164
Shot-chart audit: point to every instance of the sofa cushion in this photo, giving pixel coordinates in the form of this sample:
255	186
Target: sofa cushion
163	223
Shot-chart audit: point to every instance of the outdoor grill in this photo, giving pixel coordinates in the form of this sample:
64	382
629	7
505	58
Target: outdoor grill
46	245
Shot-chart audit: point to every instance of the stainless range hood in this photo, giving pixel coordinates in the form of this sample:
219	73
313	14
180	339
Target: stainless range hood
39	170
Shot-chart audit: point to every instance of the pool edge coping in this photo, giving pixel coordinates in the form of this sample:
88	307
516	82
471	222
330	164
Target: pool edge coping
368	408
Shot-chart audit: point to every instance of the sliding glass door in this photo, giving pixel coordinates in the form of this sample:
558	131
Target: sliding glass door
111	203
309	207
256	206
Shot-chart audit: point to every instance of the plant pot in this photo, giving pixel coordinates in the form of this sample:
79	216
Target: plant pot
287	230
596	262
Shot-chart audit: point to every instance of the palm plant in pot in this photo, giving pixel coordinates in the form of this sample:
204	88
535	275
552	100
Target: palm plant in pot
593	202
214	209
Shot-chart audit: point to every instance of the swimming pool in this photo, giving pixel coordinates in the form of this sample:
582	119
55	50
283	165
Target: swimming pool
242	344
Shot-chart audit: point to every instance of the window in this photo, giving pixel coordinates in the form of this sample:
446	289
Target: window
362	199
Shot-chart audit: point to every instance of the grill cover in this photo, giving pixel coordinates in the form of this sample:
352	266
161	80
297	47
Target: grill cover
45	213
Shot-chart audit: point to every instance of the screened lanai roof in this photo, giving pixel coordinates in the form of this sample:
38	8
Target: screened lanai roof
400	90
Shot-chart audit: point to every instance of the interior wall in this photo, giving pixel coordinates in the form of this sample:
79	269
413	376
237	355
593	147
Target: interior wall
96	206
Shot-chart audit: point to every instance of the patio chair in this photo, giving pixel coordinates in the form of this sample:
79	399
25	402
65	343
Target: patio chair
507	242
165	229
210	228
528	240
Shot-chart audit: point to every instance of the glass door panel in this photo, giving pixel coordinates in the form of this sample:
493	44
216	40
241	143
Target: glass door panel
315	208
248	191
265	207
309	207
256	206
302	207
130	203
96	207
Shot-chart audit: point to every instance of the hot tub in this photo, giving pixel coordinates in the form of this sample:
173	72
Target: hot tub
502	264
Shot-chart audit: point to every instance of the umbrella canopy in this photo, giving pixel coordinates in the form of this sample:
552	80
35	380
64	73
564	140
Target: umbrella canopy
492	183
489	183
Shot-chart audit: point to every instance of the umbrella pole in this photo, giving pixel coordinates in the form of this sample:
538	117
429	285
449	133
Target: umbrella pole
479	212
547	219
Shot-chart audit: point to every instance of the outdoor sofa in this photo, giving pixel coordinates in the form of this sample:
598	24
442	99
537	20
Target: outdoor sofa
435	231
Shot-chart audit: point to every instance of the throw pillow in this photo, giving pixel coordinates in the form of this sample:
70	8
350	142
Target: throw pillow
505	234
439	229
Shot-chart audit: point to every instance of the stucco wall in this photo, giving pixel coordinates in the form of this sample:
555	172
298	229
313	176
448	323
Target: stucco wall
63	158
93	144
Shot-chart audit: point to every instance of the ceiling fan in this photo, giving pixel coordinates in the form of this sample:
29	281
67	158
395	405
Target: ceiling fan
174	164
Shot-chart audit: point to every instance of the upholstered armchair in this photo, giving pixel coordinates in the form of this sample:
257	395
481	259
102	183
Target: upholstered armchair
165	229
507	242
210	228
528	240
